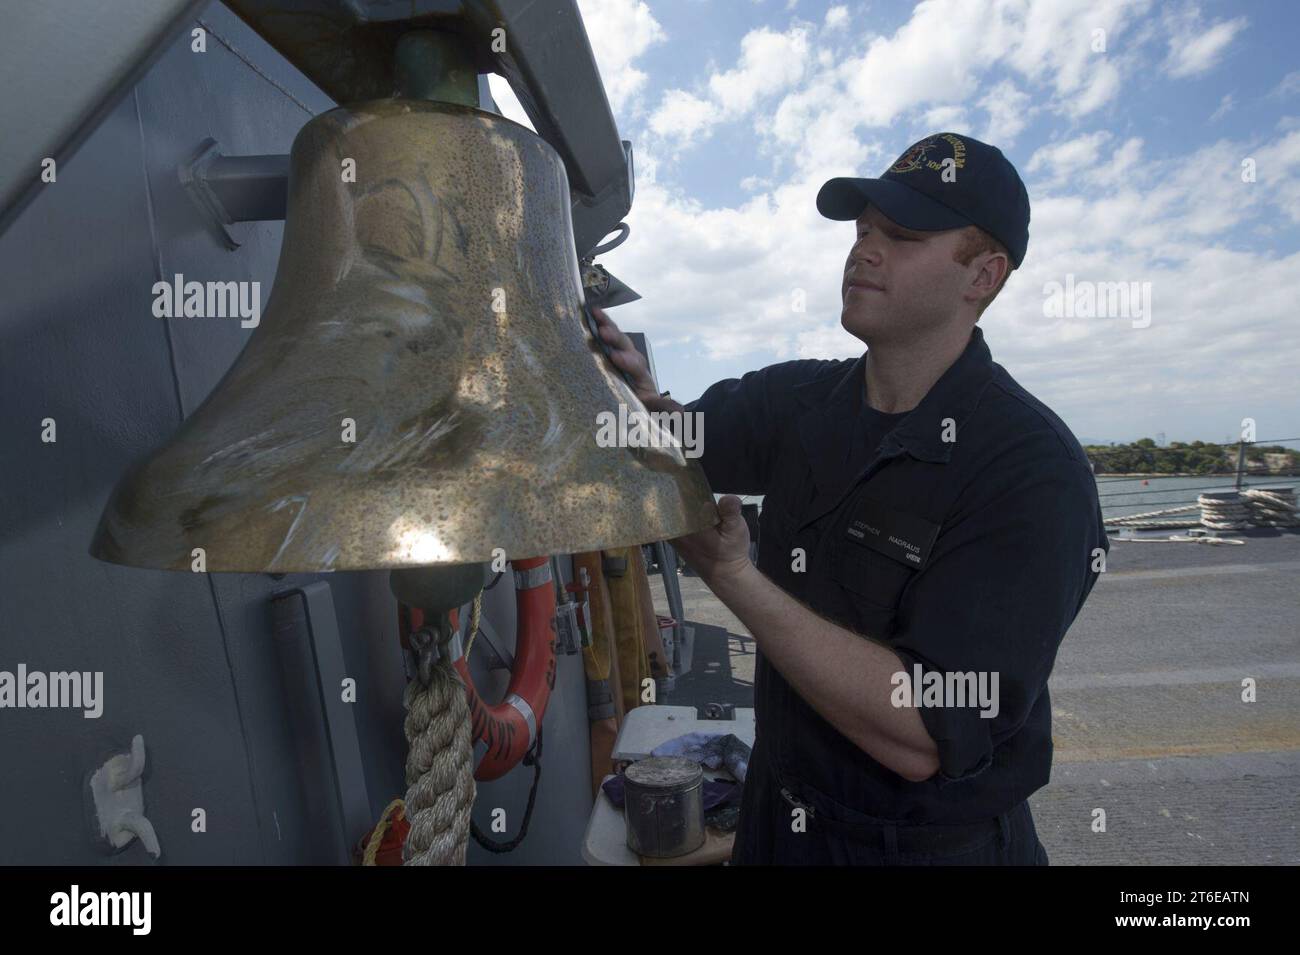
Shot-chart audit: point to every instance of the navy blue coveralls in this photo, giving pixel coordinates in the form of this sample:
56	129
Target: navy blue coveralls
966	541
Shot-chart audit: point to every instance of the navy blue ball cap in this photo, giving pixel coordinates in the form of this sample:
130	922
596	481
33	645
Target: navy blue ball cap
945	181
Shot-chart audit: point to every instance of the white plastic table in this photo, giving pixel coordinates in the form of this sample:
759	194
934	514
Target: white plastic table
605	841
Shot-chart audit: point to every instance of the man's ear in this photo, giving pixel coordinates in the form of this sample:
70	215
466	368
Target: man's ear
990	277
997	267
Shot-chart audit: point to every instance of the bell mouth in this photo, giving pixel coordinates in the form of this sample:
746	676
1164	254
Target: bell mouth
421	387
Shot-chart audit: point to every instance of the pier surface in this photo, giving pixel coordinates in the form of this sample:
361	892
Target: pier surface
1147	712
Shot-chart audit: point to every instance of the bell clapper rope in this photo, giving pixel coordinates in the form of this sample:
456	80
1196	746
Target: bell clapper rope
440	758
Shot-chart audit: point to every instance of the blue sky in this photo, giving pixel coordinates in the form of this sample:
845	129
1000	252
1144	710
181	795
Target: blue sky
738	110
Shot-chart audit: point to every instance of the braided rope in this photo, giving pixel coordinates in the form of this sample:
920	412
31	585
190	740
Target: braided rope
439	763
1159	525
1143	520
1272	508
1222	510
1178	538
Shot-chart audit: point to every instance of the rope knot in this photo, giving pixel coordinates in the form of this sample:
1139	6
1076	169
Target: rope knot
430	646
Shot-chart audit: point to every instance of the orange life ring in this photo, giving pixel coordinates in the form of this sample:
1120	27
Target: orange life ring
509	728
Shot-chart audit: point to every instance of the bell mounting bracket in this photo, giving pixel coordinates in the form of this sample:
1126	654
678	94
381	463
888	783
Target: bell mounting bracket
232	189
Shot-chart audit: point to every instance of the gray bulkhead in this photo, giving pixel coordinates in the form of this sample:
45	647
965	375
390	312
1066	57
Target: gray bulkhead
188	659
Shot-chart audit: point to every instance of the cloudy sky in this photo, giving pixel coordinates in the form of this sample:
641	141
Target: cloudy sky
1133	124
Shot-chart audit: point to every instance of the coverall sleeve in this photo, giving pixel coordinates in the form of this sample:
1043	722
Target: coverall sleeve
743	419
1003	585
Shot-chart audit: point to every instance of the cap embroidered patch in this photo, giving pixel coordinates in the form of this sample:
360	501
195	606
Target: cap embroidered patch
929	154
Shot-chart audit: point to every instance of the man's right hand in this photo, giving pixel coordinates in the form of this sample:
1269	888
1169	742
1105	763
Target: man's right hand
627	359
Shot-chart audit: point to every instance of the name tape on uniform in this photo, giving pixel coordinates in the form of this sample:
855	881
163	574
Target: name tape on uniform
903	537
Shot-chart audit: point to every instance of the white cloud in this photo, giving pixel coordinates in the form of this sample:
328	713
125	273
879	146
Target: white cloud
1008	109
1053	43
935	65
619	32
1225	107
769	63
681	116
826	341
1123	218
1102	86
1069	157
837	17
931	59
1278	171
1194	47
1118	171
1288	85
946	118
727	285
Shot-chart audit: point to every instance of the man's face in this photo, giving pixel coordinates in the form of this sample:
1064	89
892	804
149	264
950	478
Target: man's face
898	283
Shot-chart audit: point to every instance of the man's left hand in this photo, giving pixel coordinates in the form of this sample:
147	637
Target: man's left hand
721	552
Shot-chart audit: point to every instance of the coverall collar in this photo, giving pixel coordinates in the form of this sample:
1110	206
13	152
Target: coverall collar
833	400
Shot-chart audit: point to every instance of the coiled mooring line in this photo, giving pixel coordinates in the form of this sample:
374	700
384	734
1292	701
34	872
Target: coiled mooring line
1223	510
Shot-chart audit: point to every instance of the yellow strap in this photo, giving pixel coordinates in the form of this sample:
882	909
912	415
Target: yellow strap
600	618
629	639
381	827
474	617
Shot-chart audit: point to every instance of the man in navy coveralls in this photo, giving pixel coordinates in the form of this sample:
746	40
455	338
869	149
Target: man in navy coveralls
929	532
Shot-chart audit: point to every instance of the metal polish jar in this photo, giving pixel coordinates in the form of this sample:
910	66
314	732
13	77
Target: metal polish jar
664	806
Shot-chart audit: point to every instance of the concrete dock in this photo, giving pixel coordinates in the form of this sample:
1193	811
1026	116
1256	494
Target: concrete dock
1148	718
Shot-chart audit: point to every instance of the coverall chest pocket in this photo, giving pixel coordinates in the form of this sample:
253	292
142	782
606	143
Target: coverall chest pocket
782	552
872	585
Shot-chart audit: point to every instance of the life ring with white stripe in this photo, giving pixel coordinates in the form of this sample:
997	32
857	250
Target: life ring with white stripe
509	728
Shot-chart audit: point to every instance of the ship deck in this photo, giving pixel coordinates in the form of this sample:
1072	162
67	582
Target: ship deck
1147	711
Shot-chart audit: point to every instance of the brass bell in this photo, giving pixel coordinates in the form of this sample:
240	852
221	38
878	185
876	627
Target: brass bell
435	301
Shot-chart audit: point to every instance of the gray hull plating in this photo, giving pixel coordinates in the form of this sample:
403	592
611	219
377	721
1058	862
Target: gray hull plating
188	660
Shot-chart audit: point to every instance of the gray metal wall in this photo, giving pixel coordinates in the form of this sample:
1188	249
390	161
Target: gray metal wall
188	659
